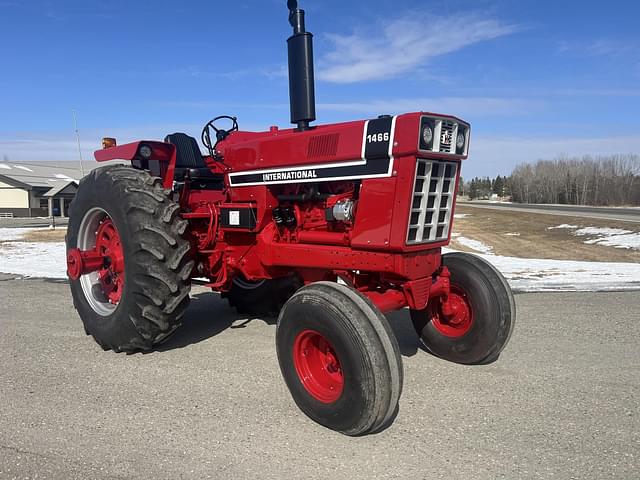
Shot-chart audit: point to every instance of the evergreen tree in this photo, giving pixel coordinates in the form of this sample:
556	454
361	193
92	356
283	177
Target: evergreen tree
498	186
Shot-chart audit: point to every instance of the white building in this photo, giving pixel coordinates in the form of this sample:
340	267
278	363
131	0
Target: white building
39	189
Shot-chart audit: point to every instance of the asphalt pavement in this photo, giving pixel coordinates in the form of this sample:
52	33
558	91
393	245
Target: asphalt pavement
561	402
35	222
631	214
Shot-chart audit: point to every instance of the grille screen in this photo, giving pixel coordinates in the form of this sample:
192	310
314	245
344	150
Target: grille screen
432	201
448	130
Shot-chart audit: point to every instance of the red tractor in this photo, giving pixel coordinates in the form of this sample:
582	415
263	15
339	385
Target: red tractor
328	227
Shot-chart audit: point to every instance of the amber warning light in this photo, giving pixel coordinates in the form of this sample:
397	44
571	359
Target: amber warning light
108	142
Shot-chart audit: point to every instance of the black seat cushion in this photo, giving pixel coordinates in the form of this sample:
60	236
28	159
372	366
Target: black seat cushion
190	164
188	154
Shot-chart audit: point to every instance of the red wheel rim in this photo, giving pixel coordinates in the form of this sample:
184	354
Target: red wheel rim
111	276
318	366
460	314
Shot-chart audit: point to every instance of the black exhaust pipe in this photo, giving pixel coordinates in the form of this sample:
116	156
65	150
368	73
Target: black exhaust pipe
302	94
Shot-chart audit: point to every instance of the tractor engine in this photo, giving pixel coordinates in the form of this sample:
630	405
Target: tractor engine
370	202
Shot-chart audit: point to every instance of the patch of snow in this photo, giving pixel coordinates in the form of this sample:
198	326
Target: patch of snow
34	259
22	167
605	231
462	215
629	241
512	234
541	275
611	237
62	176
476	245
564	225
5	166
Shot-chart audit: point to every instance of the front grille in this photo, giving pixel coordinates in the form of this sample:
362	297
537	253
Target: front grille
444	135
448	130
432	202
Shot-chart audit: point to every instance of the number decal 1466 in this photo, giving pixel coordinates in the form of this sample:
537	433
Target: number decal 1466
378	137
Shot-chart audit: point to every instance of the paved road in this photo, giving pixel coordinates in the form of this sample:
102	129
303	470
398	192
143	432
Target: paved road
619	214
20	222
562	402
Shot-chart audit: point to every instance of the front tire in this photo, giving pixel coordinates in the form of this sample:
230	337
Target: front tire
138	297
485	313
339	359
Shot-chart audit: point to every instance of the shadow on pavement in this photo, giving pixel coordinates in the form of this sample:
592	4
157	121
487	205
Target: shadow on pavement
405	334
207	316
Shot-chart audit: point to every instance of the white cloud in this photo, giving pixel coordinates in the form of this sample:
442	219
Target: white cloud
490	155
26	146
602	47
462	106
402	45
38	146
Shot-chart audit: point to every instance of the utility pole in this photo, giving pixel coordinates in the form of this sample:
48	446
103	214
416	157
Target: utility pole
75	123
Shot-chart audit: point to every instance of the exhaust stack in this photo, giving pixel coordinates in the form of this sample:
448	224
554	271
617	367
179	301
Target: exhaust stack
302	95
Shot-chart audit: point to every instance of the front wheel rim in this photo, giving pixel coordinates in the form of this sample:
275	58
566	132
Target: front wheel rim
460	321
102	288
318	366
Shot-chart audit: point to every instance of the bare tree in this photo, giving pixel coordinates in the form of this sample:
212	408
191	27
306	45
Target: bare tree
605	180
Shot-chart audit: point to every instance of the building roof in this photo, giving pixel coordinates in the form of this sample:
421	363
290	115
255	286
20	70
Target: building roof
43	174
71	185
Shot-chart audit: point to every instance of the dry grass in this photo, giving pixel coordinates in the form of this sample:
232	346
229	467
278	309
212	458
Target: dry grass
43	235
535	240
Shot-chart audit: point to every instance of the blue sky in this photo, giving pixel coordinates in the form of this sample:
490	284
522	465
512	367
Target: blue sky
536	79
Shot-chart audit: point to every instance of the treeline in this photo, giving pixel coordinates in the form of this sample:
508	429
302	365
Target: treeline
602	181
484	188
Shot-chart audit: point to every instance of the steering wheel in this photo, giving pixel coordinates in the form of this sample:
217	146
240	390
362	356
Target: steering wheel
221	133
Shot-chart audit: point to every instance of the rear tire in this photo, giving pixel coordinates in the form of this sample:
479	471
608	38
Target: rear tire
262	298
486	328
157	267
339	359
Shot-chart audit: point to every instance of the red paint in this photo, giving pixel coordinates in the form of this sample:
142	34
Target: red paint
373	244
452	315
107	258
82	262
318	366
323	238
129	151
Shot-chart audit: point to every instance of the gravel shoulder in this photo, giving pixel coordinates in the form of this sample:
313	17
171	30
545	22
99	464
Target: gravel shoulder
562	402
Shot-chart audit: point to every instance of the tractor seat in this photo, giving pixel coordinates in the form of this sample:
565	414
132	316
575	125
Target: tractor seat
190	164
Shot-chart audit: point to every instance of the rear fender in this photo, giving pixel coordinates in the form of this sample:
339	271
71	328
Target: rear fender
161	163
129	151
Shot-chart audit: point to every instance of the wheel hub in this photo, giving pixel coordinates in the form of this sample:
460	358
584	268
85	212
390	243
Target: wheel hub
98	262
318	366
109	246
452	315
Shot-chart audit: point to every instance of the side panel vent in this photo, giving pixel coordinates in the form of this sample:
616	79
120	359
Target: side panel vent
323	145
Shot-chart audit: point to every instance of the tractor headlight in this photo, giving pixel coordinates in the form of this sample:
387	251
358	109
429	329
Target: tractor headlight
461	140
427	133
145	151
